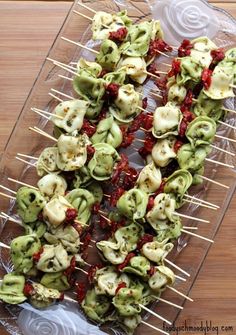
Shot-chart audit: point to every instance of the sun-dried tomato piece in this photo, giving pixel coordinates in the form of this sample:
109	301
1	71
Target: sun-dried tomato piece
145	103
128	137
115	196
92	271
185	48
88	128
119	35
206	78
71	214
28	289
90	152
137	122
148	121
130	178
152	68
188	101
188	116
178	144
62	296
175	68
37	255
111	91
143	240
217	55
103	73
158	45
121	166
152	271
120	285
161	83
103	223
150	203
40	216
161	188
182	128
80	292
86	239
126	261
103	114
69	271
95	208
143	152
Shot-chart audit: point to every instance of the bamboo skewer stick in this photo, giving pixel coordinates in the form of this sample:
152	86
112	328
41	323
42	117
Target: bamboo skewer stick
87	17
155	328
48	113
179	293
168	302
190	217
180	278
41	114
3	245
200	204
156	95
213	181
226	138
24	161
21	183
190	228
43	133
155	314
176	267
55	97
153	75
196	235
80	45
64	77
8	217
223	150
27	156
61	93
63	64
203	201
7	189
219	163
228	110
88	8
226	124
65	67
85	272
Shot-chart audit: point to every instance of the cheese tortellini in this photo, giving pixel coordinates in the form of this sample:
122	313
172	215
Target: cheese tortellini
72	113
72	152
51	185
103	161
47	162
163	151
201	131
12	288
30	202
42	296
162	277
108	132
135	67
133	204
54	258
177	93
125	106
166	121
156	251
149	179
201	51
55	210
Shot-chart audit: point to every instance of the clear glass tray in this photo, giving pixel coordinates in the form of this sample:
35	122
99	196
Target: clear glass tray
180	19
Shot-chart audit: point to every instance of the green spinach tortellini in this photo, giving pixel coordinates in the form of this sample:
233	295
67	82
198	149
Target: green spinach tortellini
109	55
192	159
166	121
162	277
82	177
126	105
88	87
12	289
68	236
37	227
96	306
156	251
72	152
53	258
57	281
22	250
108	132
191	70
116	77
138	266
47	162
133	204
30	202
102	164
51	185
83	201
94	69
72	114
201	131
42	296
130	323
149	179
96	190
206	106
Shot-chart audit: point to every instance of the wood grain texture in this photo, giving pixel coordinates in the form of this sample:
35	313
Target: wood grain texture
28	29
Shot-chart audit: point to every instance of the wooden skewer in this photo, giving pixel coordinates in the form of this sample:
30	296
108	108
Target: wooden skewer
21	183
81	270
80	45
55	97
196	235
226	138
63	64
104	217
7	189
190	228
200	204
43	133
219	163
5	216
213	181
3	245
176	267
203	201
65	67
43	115
89	18
153	75
226	124
86	263
222	150
180	293
155	314
64	77
48	113
156	95
180	278
191	217
163	54
27	156
155	328
169	65
228	110
26	162
66	298
63	94
88	8
93	241
168	302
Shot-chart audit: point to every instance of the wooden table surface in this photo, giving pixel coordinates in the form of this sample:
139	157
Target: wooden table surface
28	29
